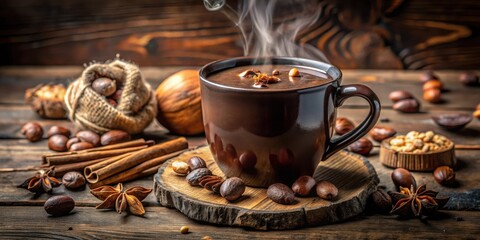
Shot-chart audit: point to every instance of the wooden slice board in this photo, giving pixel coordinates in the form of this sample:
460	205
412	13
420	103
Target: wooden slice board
351	173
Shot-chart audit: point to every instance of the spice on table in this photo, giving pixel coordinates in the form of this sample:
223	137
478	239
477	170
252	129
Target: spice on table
444	175
416	202
42	181
120	199
184	230
59	205
32	131
401	177
211	183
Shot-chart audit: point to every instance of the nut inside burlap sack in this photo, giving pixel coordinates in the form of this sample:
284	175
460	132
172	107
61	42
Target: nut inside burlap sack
89	110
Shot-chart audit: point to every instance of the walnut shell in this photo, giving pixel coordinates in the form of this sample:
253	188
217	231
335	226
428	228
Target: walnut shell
47	100
179	103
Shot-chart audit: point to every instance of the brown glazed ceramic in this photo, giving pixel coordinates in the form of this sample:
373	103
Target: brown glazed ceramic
266	136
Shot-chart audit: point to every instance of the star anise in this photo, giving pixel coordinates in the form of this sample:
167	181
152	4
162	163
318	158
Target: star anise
42	181
116	197
416	202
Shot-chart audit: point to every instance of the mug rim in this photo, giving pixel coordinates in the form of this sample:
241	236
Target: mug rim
227	63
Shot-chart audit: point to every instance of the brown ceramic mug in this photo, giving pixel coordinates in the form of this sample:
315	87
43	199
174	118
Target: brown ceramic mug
267	136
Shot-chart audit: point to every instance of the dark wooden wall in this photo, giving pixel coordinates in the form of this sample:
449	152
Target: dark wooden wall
395	34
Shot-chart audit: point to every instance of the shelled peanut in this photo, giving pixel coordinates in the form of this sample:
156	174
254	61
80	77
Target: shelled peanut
419	142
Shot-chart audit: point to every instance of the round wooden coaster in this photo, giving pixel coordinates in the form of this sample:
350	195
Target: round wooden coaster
352	174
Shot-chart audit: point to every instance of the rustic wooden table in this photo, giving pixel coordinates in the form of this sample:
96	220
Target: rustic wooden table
23	216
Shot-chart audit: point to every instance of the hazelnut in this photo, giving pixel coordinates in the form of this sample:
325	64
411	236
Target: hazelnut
433	84
71	141
427	76
184	230
303	185
196	162
452	121
362	146
379	133
326	190
104	86
73	180
343	125
59	205
88	136
444	175
401	177
54	130
294	72
281	193
79	146
114	136
57	143
275	72
32	131
380	201
432	95
194	176
180	168
247	160
232	188
398	95
407	106
469	79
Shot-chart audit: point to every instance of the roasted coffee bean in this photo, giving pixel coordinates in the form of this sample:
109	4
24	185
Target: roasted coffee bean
232	188
281	193
196	162
303	186
73	180
326	190
59	205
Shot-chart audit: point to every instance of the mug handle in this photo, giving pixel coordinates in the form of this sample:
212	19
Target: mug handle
342	93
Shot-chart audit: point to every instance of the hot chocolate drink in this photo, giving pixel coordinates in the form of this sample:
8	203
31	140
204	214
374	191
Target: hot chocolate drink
266	122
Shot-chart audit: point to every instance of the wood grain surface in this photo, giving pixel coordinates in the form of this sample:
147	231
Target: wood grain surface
22	216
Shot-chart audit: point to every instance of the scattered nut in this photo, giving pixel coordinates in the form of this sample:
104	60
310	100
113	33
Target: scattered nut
343	125
58	143
275	72
381	201
104	86
401	177
59	205
362	146
180	168
114	136
194	176
112	102
196	162
248	160
71	141
184	230
47	100
326	190
117	95
294	72
303	186
54	130
469	79
432	95
399	95
281	193
444	175
207	238
379	133
452	121
232	188
407	106
476	114
433	84
32	131
79	146
88	136
211	183
73	180
419	142
427	76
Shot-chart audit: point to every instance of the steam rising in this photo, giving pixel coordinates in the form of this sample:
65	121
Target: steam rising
271	28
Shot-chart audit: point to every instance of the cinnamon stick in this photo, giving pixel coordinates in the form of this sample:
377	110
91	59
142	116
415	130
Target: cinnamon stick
60	170
106	161
80	157
143	169
467	147
138	158
133	143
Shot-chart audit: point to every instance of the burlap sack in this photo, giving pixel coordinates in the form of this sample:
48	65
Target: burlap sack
89	110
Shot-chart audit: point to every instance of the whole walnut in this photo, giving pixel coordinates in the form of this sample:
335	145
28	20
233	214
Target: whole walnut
179	103
47	100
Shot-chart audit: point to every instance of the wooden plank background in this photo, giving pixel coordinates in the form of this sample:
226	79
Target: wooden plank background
393	34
